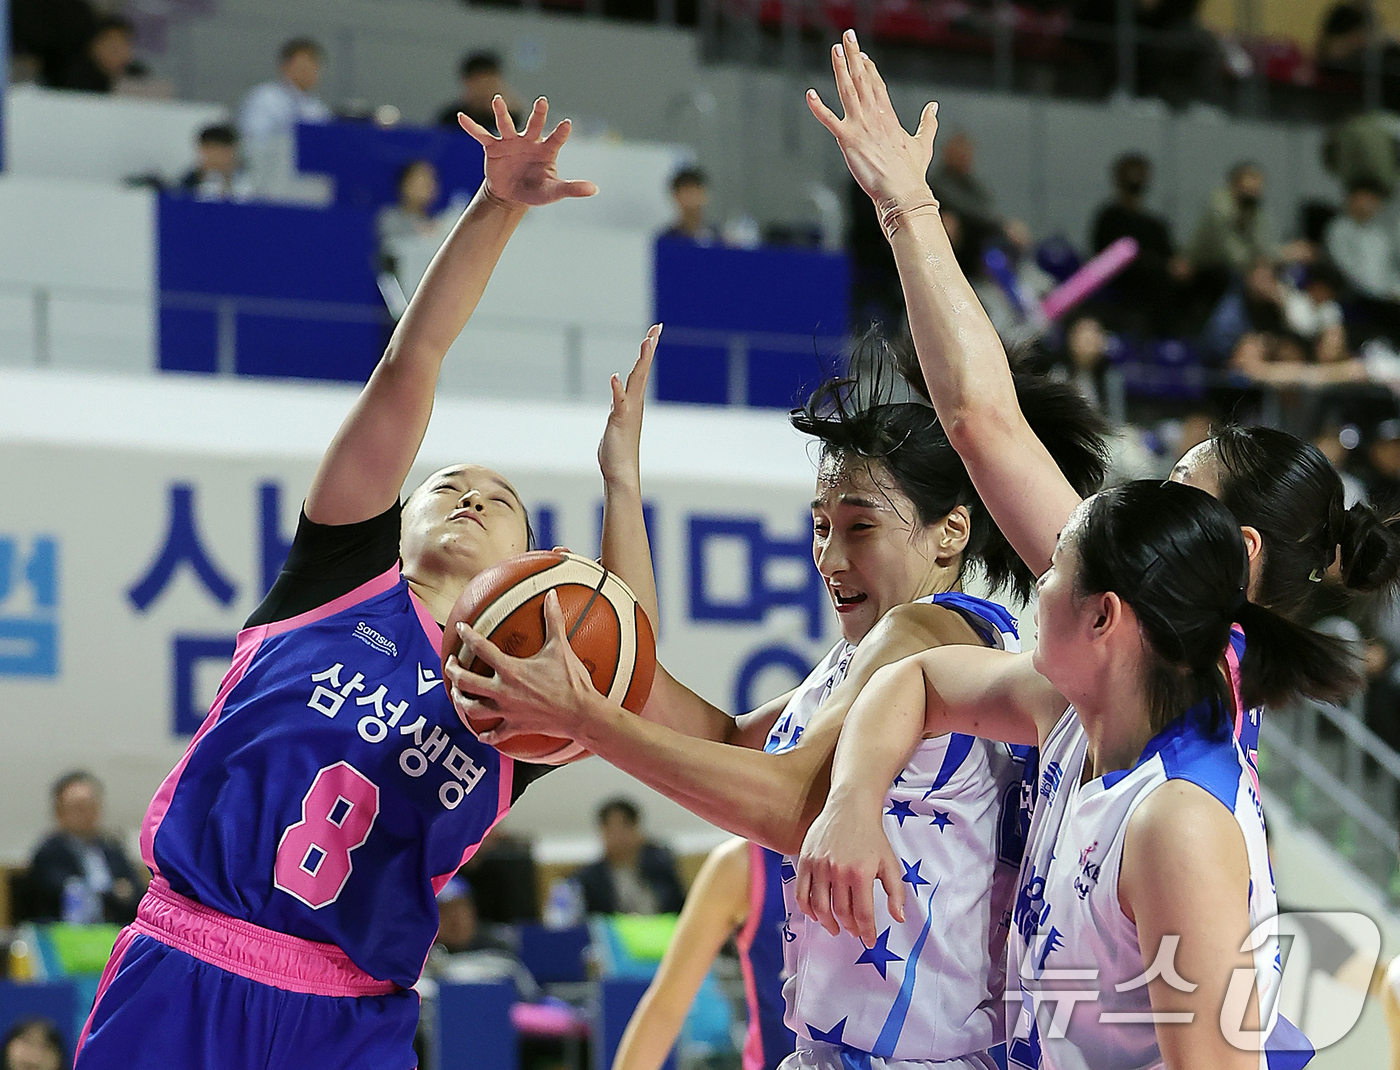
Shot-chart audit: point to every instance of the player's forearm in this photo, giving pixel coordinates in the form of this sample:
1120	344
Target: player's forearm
960	353
626	544
454	283
762	797
880	733
650	1034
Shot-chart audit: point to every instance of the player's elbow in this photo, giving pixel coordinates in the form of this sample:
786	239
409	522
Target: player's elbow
976	422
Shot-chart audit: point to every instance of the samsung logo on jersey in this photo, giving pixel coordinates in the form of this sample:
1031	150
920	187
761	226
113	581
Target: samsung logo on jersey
374	639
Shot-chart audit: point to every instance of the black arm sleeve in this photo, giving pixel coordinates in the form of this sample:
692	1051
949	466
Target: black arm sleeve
327	561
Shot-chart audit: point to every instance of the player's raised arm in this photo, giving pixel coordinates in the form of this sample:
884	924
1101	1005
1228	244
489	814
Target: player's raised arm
627	551
367	462
974	690
959	351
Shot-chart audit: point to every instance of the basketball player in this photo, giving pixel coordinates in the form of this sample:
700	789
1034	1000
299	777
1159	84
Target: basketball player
896	523
298	845
738	892
1285	494
1146	870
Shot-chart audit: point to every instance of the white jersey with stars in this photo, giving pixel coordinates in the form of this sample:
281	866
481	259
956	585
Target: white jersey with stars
931	989
1076	967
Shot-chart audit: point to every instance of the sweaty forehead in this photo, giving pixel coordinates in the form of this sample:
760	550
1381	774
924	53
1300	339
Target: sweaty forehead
844	478
1199	469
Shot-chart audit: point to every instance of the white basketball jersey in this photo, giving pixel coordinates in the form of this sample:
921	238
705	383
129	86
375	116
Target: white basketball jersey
1075	959
956	816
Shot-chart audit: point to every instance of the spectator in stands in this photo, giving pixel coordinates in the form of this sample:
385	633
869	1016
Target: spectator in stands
634	876
960	190
482	80
33	1044
411	217
1175	54
268	116
1232	232
1144	297
1364	247
1272	331
1364	148
105	59
47	36
217	176
80	873
690	191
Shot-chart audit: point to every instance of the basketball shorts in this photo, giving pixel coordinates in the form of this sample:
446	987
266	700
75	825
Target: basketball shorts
160	1006
817	1055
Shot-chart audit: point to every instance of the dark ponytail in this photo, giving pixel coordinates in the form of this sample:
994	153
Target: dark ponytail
1288	491
1176	555
1370	549
877	414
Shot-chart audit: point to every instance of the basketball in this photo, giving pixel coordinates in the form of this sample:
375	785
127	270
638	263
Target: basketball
607	629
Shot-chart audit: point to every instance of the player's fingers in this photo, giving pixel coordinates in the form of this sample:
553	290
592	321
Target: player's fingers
577	188
802	888
893	883
928	126
534	126
619	395
879	92
821	900
555	629
855	64
824	115
504	123
637	377
476	647
462	681
842	906
475	129
845	88
559	134
863	911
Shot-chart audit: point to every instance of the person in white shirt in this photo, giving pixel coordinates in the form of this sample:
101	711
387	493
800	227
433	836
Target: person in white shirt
268	116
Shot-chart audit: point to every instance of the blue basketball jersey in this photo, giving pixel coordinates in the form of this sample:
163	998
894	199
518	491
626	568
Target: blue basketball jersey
760	943
332	790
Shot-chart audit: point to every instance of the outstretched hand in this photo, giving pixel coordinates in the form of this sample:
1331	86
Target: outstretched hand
841	860
619	453
522	167
547	692
887	162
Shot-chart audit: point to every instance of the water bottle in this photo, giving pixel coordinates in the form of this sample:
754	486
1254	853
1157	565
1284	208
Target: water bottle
80	903
563	909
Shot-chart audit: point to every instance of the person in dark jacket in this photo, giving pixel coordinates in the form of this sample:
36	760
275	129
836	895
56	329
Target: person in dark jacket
634	876
80	852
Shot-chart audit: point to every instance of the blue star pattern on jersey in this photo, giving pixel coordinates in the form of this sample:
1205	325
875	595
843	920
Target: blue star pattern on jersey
880	955
911	875
828	1036
900	810
941	819
898	780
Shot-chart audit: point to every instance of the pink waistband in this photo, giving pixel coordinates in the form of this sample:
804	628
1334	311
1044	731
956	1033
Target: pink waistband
259	954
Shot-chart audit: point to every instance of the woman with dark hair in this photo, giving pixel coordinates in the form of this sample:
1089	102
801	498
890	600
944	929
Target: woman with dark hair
32	1044
1145	888
897	526
1284	494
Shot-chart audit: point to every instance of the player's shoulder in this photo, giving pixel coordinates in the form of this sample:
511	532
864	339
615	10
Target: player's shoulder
925	622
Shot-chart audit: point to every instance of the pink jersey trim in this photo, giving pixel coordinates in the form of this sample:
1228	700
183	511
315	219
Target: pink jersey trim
109	973
367	590
758	877
1232	661
247	646
270	958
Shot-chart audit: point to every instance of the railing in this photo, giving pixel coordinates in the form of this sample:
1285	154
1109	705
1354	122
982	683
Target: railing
575	339
1340	779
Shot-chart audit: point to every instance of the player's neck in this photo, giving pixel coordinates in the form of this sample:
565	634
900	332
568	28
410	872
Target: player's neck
1118	723
437	597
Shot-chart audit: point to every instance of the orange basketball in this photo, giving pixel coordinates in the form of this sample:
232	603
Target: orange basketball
607	629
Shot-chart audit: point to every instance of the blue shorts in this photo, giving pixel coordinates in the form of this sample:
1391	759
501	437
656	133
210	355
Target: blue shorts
160	1008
